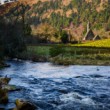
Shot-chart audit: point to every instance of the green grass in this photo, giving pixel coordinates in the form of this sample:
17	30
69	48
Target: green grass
100	43
71	54
39	50
69	50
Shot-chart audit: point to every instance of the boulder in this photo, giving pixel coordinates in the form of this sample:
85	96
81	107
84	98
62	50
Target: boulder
10	88
39	59
3	96
5	80
24	105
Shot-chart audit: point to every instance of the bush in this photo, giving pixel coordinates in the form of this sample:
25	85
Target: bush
64	37
56	50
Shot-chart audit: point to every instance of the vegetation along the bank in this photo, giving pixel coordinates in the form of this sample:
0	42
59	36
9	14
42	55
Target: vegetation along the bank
68	55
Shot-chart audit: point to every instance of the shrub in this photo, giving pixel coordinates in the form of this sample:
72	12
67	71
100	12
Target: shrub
56	50
64	37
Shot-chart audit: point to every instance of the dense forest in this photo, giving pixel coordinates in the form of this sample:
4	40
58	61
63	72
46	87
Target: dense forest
74	14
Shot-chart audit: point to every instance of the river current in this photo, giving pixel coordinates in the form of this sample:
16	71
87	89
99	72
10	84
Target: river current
52	87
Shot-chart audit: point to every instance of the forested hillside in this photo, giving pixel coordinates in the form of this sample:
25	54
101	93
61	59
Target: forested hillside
75	11
73	15
69	15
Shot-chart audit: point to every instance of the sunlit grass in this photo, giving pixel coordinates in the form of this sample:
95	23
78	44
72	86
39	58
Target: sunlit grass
99	43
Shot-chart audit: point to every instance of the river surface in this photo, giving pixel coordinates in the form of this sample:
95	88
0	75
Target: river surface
52	87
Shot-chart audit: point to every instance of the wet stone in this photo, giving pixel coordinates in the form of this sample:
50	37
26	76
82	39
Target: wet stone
24	105
5	80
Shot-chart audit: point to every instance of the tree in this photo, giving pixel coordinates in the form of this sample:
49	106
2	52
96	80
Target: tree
64	37
13	28
17	13
45	31
1	38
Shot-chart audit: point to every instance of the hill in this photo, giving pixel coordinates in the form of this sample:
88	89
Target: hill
69	15
73	15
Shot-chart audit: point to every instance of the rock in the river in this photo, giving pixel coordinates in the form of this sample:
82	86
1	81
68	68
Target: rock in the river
3	96
39	59
10	88
24	105
3	91
5	80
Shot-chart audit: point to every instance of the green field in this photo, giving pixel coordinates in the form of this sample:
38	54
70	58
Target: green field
68	55
68	50
39	50
89	53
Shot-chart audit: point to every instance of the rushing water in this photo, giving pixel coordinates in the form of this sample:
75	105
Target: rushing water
53	87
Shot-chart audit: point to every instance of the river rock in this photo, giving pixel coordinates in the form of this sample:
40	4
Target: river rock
10	88
5	80
24	105
3	96
39	59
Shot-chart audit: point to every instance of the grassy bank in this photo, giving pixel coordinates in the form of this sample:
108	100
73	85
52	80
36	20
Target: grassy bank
96	59
68	55
83	56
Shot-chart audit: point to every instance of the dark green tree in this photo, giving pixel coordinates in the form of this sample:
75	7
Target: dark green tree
64	37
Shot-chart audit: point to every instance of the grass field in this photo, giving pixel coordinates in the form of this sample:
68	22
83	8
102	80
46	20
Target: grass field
44	50
88	53
81	55
39	50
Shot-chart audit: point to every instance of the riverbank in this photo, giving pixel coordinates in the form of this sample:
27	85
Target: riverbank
81	60
67	55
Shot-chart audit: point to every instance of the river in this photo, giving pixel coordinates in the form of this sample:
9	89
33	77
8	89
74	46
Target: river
53	87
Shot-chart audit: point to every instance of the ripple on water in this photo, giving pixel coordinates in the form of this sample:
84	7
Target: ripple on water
53	87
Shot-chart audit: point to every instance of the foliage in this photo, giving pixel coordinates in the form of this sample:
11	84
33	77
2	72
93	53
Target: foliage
64	37
17	13
12	40
72	55
13	28
56	50
28	30
45	31
59	19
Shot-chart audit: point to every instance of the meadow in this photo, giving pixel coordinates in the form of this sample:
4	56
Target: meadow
80	54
